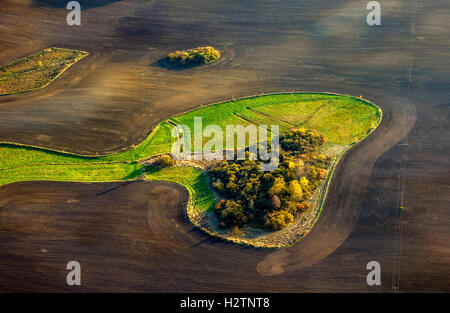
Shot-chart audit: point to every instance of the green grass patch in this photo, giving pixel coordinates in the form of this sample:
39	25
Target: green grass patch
194	180
76	173
38	70
342	119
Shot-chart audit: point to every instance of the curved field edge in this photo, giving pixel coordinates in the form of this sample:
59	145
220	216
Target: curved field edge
153	144
36	68
34	163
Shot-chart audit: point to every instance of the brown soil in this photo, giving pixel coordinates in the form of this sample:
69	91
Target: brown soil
113	98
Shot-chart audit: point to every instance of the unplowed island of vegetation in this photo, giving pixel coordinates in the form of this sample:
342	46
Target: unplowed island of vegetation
196	56
38	70
340	119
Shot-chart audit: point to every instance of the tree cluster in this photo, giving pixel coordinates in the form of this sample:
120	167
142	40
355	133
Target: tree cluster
200	55
270	199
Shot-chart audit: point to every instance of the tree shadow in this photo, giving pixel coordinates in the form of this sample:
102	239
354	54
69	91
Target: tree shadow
85	4
113	189
163	63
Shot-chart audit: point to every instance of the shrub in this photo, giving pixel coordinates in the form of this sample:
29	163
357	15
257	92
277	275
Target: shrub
276	202
278	219
278	186
165	161
302	207
218	185
296	190
231	213
301	141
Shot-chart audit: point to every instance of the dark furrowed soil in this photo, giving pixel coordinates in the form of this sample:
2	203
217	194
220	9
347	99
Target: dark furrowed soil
388	200
132	237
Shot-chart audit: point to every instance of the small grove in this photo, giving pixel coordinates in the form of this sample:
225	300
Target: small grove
200	55
270	199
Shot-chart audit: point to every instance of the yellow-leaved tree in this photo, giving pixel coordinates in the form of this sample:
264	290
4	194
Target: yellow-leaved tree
295	190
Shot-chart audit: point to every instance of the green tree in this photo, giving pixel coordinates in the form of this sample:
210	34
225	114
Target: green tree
231	213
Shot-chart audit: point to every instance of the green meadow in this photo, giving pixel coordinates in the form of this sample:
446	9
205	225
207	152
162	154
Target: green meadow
344	120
